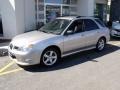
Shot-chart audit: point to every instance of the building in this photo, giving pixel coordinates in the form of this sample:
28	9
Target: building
19	16
115	10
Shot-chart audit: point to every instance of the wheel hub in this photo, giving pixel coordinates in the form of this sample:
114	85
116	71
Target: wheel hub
101	44
49	58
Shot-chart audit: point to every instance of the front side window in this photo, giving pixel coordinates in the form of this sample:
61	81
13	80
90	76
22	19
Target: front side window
56	27
76	26
90	25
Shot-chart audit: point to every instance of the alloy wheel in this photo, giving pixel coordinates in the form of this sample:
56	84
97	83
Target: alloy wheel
101	44
50	58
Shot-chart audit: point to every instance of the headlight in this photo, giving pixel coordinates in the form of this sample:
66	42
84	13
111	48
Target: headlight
26	48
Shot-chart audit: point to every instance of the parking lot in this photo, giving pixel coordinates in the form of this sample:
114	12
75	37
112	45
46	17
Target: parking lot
89	70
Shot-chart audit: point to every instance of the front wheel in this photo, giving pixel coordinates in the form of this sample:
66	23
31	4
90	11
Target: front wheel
50	57
101	44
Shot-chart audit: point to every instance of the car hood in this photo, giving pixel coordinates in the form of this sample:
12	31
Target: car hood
31	38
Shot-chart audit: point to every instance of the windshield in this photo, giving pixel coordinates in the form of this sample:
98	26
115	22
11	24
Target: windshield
56	27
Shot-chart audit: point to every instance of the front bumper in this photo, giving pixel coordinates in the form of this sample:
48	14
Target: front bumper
24	59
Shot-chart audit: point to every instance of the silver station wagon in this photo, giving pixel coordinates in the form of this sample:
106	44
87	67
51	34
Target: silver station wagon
59	38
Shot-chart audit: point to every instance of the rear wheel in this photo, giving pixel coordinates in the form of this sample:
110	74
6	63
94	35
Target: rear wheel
50	57
101	44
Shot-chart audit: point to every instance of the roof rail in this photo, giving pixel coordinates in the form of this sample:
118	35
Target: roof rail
78	16
83	16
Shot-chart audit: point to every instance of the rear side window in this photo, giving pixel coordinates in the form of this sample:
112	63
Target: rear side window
100	22
90	25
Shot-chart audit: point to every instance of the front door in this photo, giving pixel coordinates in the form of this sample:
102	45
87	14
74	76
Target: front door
75	40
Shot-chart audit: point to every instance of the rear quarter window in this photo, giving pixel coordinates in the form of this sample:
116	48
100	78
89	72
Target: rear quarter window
90	25
100	22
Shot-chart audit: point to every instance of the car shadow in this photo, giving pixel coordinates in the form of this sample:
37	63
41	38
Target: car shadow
74	60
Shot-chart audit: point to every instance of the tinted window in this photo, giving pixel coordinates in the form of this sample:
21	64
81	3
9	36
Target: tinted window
90	25
100	22
76	26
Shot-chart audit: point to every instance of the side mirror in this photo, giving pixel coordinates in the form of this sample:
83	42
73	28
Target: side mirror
69	32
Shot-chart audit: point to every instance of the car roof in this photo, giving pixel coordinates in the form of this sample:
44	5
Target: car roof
77	17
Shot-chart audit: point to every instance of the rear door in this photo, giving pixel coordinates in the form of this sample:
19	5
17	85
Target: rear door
91	32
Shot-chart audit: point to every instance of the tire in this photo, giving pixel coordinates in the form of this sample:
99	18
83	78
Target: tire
101	44
50	57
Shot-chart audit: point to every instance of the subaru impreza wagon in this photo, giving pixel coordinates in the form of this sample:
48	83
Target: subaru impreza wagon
59	38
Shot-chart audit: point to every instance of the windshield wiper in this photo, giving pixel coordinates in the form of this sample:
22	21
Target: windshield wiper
54	33
49	32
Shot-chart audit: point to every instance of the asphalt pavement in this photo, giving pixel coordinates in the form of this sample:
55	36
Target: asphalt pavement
89	70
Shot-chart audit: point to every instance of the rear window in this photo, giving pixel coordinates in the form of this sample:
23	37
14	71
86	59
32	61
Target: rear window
100	22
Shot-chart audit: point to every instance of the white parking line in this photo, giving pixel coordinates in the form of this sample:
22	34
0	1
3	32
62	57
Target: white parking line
7	66
12	71
3	71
